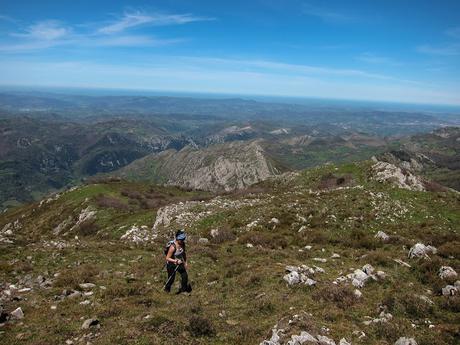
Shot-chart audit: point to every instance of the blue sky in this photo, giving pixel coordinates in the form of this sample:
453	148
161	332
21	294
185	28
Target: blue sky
388	50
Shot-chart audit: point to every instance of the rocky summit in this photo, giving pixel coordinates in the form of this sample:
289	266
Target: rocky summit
358	253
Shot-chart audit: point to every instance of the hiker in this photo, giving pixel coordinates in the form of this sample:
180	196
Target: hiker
176	260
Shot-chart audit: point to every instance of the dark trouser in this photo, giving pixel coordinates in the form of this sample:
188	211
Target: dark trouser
172	276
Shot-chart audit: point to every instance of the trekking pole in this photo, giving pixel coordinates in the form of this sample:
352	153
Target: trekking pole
172	275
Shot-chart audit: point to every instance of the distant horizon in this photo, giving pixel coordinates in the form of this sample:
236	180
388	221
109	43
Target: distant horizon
354	50
300	100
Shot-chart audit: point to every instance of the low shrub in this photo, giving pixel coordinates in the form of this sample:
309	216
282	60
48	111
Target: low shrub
378	258
450	249
341	295
225	234
70	278
88	228
105	201
362	239
199	326
451	303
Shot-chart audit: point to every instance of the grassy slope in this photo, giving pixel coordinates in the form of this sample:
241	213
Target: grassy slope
227	276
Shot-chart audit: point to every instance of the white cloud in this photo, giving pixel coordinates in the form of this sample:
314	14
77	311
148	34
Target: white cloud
134	19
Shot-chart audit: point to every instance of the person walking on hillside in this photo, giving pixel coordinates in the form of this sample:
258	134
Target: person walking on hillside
176	261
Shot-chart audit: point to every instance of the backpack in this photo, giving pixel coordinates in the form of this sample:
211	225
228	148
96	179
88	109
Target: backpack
169	244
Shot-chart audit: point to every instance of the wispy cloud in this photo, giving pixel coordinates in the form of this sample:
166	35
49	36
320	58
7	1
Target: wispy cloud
326	15
48	30
51	33
451	49
377	59
6	18
135	19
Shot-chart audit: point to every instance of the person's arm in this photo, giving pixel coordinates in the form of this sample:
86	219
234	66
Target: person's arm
169	257
185	260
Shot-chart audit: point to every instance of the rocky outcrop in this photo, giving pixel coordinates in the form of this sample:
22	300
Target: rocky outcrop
402	178
139	234
228	166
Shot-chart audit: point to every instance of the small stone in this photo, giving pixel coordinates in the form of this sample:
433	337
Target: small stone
449	290
420	250
292	278
335	256
309	282
87	286
357	293
344	341
447	272
368	269
17	314
74	294
323	340
274	221
405	341
382	236
320	260
381	275
249	245
90	323
203	240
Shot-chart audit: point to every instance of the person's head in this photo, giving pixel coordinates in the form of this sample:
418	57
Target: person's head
181	236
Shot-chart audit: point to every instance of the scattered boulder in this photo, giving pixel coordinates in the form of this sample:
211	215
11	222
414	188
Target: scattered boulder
450	290
447	272
420	250
17	314
214	233
292	278
90	323
344	341
405	341
382	236
359	277
297	275
383	317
